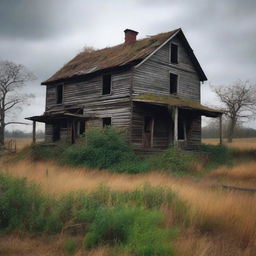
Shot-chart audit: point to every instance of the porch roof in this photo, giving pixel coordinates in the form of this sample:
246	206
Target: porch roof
49	117
175	101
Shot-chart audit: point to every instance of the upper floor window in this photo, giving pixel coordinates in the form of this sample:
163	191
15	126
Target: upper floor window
59	94
174	53
106	84
173	83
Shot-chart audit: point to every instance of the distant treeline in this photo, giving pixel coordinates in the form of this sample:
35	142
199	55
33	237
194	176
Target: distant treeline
212	131
22	134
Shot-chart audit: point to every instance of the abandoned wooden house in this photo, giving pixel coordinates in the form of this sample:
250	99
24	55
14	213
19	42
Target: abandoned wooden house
150	88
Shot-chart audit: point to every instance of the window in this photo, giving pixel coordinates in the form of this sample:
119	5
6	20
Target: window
174	53
59	94
106	84
173	83
82	127
106	121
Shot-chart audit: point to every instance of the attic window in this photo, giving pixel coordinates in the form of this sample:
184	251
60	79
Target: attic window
106	121
59	94
173	83
106	84
174	53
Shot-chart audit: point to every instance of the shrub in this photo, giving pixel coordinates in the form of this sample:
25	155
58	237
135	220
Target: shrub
136	229
105	149
217	154
177	161
70	246
19	203
42	152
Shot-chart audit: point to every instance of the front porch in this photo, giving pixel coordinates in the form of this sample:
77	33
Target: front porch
61	125
162	121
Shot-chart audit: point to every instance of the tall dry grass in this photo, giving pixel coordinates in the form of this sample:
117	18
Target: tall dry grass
238	143
239	172
225	215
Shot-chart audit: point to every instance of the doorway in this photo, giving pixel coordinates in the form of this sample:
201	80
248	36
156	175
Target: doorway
56	133
148	131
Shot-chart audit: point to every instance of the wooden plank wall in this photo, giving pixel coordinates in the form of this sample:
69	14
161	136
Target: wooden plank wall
88	94
153	77
48	133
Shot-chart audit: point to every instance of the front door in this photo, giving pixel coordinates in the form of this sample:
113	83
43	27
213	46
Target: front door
148	131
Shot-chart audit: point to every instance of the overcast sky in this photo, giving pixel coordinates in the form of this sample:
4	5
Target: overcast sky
45	34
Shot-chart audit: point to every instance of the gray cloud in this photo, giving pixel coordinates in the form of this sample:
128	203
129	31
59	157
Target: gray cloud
44	35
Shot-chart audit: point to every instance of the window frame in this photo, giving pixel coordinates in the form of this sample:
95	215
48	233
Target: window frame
102	87
170	53
62	96
177	82
105	118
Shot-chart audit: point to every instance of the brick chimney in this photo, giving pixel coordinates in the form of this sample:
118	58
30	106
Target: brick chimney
130	36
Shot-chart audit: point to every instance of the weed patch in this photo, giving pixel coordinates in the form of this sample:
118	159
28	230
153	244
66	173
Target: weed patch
130	221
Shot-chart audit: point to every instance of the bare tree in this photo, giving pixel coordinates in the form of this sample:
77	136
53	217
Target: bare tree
239	101
12	78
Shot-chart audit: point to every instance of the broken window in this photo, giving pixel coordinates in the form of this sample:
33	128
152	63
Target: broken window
106	121
174	53
106	84
59	94
173	83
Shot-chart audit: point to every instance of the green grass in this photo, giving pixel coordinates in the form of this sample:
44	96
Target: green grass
131	222
216	155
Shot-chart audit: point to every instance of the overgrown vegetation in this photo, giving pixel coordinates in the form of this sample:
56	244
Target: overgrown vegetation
129	221
216	155
108	149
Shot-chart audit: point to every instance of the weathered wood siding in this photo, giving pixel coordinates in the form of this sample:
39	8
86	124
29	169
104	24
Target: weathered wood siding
153	75
48	132
88	95
194	132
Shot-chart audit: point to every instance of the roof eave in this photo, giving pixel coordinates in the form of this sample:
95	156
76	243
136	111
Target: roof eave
97	72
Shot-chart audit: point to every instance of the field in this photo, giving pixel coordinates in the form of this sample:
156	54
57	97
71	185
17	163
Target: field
221	221
242	143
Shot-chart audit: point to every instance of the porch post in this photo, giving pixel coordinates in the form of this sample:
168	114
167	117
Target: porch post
34	132
152	132
220	129
175	126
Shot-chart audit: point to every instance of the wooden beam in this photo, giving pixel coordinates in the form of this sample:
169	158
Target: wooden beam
175	127
34	132
220	131
152	132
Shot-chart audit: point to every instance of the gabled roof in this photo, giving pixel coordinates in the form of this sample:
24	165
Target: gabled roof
175	101
121	55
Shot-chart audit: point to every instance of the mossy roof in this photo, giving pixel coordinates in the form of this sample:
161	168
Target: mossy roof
177	102
122	55
119	55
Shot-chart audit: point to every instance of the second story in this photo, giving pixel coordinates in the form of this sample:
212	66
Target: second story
163	64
